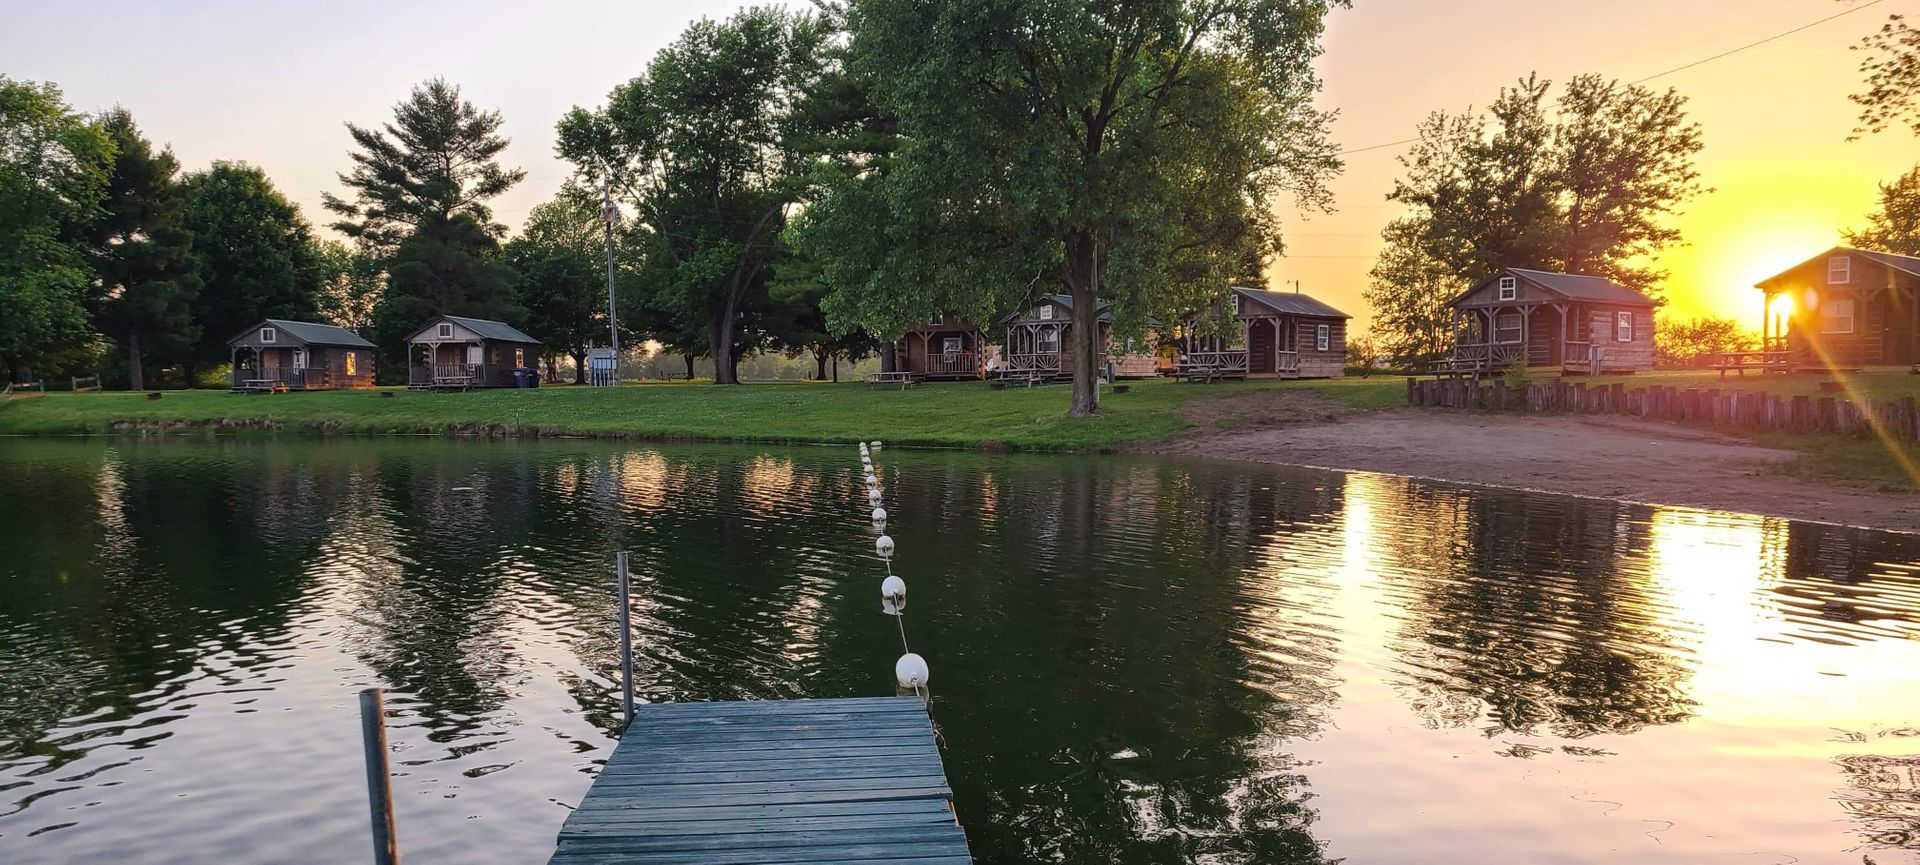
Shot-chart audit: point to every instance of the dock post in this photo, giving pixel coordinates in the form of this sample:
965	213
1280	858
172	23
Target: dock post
626	639
373	735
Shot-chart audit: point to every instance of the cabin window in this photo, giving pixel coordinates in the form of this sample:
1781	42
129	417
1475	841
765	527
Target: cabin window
1046	312
1623	327
1049	340
446	331
935	320
1836	315
299	358
1323	337
1582	325
1839	270
268	334
520	357
353	365
1509	288
1506	327
950	345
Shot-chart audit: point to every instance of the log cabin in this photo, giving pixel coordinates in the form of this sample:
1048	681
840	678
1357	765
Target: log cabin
944	348
1844	309
281	355
1040	341
453	351
1561	322
1280	335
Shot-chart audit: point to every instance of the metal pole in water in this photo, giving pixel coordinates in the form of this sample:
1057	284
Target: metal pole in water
626	638
373	734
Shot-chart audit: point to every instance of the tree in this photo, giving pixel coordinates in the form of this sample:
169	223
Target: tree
1059	143
253	252
1895	227
352	281
421	187
1677	343
1892	72
53	173
699	146
560	259
142	253
1587	185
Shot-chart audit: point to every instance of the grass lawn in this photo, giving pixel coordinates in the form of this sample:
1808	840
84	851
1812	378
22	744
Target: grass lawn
959	415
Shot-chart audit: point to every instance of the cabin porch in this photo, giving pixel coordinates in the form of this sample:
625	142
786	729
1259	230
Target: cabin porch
269	370
1551	336
943	355
457	366
1843	327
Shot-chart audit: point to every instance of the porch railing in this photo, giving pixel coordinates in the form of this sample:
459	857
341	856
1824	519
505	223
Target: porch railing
1047	361
1488	355
955	363
1229	360
1286	361
291	376
441	372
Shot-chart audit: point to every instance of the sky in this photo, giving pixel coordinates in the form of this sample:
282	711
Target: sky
273	83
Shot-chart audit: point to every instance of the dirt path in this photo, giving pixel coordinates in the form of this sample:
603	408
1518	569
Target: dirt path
1619	458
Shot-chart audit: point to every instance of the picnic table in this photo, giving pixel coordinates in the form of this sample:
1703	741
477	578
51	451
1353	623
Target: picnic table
1741	361
903	379
1193	372
1028	377
263	385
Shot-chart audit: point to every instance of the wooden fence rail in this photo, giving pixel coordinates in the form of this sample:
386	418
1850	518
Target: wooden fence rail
1891	418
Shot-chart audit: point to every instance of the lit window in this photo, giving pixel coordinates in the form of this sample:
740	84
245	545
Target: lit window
353	365
1623	327
1836	315
950	345
1509	288
1046	312
1839	270
446	330
1506	327
520	357
268	334
1323	337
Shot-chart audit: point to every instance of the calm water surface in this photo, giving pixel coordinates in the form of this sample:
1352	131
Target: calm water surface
1135	660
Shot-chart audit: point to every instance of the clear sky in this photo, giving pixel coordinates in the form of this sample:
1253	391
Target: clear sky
271	83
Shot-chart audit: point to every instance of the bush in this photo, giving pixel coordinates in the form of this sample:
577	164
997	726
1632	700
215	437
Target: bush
1682	343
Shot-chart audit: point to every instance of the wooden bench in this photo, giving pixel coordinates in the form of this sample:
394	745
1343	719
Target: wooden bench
1740	361
1193	372
903	379
453	382
261	385
1028	377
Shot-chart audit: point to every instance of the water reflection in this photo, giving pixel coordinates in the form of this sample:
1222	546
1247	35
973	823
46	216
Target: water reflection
1135	660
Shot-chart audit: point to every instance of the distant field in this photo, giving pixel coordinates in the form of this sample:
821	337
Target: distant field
957	415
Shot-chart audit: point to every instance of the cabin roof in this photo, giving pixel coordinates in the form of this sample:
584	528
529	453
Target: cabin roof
1066	300
1572	286
485	328
311	333
1906	264
1289	304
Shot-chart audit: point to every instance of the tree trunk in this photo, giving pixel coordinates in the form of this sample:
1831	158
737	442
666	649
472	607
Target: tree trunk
192	374
888	363
820	364
836	369
689	359
720	346
580	366
136	379
1083	284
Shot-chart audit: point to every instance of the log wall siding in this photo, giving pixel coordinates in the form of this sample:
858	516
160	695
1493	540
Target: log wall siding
1884	317
1893	418
1315	363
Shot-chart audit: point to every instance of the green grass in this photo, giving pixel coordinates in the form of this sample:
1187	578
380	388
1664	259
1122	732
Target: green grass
956	415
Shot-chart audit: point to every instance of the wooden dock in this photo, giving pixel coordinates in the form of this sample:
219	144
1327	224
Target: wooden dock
762	782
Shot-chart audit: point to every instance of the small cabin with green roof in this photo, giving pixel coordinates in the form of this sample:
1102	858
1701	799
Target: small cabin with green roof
277	355
454	351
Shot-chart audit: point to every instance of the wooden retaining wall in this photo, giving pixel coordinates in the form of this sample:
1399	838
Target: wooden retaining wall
1751	409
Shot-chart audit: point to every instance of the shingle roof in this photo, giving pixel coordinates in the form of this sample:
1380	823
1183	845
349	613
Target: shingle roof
313	333
1066	300
1287	303
1580	287
483	327
1904	263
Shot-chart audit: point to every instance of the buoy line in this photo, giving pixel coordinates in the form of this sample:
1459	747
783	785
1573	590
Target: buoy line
910	671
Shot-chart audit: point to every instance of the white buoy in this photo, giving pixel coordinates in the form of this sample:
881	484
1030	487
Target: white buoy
893	595
879	515
873	497
911	671
884	546
876	443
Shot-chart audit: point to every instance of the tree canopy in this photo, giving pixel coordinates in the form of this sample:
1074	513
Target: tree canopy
142	253
253	252
1895	226
1892	72
559	259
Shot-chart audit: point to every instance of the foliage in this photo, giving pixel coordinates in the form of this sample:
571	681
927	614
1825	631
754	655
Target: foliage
253	252
1517	376
450	268
53	173
1408	289
1125	151
1895	227
699	146
1678	343
352	281
1892	72
1362	351
560	262
142	253
436	162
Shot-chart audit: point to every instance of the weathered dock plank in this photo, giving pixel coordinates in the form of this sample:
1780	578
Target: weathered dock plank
767	782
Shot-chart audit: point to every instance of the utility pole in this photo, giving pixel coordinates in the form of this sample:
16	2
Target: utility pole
610	215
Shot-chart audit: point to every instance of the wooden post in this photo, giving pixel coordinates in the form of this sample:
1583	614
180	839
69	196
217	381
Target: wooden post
373	736
626	640
1411	386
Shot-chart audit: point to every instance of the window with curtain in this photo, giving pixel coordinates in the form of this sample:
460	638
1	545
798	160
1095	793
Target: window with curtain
1836	315
1506	327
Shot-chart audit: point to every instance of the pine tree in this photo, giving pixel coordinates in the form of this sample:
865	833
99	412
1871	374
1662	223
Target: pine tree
142	253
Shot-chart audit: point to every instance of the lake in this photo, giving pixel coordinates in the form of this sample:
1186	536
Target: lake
1135	659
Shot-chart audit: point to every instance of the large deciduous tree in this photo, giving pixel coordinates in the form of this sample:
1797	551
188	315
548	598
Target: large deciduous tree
352	281
699	147
1130	151
421	185
253	252
1585	183
560	259
1892	72
53	173
142	253
1895	227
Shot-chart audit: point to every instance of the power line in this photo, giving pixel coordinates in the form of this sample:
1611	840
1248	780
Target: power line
1728	53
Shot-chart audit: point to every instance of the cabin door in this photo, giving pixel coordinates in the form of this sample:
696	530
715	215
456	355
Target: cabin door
1261	338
